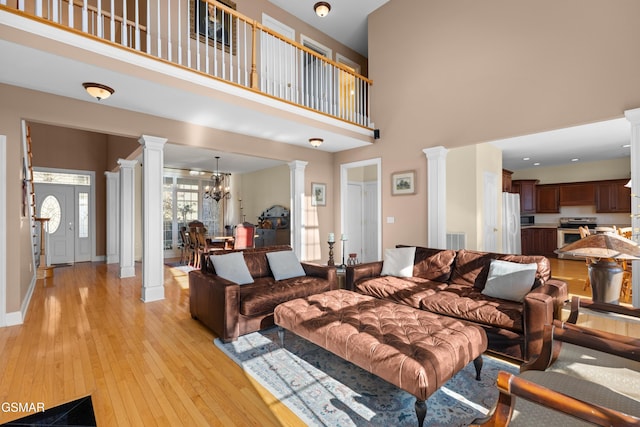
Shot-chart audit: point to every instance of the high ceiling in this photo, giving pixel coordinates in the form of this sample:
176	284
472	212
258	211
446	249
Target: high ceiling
346	22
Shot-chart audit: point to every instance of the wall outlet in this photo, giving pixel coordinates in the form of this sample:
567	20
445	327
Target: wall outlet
391	219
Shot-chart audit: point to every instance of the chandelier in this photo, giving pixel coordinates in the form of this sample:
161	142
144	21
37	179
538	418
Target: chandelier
219	187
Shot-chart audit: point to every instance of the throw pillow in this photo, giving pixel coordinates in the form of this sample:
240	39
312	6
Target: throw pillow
398	262
509	280
232	267
285	265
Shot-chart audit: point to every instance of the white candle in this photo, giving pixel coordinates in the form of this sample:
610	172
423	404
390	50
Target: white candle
332	237
344	237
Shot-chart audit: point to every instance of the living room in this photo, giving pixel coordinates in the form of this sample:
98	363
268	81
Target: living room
483	72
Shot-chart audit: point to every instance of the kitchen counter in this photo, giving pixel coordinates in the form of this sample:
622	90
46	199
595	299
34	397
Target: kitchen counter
540	225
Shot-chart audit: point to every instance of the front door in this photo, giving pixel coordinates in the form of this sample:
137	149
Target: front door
56	202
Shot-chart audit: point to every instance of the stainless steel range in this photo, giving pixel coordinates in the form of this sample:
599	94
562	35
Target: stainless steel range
568	231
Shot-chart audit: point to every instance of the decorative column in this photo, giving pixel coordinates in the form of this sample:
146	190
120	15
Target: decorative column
436	197
298	228
127	217
634	118
152	232
113	217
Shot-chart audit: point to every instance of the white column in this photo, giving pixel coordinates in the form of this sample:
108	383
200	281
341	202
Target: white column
436	197
113	217
127	217
634	118
152	235
3	226
298	228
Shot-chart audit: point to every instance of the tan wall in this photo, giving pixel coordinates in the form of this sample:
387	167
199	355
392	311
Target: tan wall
99	118
263	189
576	172
485	71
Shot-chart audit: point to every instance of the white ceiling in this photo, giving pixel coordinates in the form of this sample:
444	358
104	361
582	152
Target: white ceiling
200	159
346	22
586	143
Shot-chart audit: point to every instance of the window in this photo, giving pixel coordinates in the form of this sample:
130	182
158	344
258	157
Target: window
40	177
50	208
83	214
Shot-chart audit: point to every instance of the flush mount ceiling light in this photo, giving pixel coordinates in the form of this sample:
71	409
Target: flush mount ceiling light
322	8
98	91
316	142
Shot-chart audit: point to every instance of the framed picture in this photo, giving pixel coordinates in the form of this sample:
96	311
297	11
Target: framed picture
318	194
403	183
213	23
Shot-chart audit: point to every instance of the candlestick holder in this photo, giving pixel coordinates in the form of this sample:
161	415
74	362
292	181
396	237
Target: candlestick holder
343	265
331	263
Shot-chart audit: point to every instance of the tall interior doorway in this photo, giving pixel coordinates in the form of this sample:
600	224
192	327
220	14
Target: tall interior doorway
361	209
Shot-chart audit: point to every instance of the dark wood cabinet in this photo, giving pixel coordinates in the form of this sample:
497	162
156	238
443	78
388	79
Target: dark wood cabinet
506	180
539	241
527	190
548	198
577	194
612	196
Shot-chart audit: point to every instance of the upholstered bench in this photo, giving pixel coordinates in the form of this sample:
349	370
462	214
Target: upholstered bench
413	349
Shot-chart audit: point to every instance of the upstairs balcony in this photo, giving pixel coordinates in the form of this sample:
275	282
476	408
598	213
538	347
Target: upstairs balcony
214	40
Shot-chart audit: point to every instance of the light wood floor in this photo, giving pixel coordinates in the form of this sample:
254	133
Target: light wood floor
144	364
87	332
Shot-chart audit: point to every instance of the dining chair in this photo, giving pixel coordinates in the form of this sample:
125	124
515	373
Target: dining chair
584	232
244	236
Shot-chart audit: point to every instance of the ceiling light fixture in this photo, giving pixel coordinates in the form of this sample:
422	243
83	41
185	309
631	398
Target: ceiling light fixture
575	159
316	142
98	91
219	187
322	8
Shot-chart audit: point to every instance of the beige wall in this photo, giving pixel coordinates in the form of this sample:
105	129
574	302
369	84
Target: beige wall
471	72
577	172
263	189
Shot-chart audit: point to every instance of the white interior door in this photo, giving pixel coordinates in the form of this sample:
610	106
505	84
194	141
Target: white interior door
354	227
278	65
56	201
370	216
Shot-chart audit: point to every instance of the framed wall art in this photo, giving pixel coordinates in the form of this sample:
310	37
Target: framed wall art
318	194
214	23
403	183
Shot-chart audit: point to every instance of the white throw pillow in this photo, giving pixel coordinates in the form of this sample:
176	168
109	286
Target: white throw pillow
285	265
509	280
398	262
232	267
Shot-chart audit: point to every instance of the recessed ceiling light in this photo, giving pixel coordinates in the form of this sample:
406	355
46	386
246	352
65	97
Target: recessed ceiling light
574	160
626	146
536	164
526	158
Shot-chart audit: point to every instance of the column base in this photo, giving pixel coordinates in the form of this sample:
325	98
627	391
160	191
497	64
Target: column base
155	293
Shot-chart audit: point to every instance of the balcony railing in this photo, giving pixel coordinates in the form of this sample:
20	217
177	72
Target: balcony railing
214	39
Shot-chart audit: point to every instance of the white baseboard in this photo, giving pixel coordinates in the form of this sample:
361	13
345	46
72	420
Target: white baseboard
17	317
155	293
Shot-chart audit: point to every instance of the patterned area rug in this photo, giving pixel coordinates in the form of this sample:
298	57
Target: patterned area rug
324	390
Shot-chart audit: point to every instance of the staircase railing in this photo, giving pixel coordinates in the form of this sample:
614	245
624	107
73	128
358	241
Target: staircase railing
212	38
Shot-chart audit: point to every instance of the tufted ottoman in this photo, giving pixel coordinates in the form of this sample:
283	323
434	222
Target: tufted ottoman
415	350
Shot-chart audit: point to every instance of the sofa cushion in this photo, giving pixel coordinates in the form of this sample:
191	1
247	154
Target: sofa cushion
468	303
232	267
434	264
409	291
398	262
284	265
472	267
509	280
262	296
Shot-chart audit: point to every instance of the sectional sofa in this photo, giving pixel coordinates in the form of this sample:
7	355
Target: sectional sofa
452	283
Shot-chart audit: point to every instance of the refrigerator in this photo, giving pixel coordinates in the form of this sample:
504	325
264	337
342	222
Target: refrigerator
511	243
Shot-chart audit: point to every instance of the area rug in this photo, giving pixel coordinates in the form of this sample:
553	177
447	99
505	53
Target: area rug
78	413
324	390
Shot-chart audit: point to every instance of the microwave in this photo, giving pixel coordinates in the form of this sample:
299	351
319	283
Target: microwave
527	219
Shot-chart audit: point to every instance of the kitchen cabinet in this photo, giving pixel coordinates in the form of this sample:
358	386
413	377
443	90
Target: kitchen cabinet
539	241
577	194
548	198
612	196
506	180
527	190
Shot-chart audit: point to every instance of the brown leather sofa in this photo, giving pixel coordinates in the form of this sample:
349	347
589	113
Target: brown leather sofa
450	283
231	310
